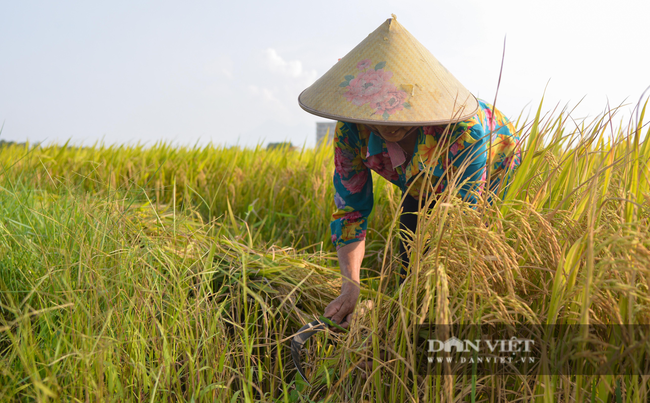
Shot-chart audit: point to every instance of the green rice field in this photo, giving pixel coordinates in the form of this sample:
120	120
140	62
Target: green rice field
165	274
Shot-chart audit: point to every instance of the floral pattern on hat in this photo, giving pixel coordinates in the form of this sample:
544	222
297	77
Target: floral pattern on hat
372	86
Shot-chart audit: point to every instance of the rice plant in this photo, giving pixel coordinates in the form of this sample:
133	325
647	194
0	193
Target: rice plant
180	274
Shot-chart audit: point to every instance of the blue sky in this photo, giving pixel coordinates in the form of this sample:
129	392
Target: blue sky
230	72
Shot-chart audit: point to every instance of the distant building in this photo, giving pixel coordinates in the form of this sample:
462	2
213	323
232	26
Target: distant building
322	131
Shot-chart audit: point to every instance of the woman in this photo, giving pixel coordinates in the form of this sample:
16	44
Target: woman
401	113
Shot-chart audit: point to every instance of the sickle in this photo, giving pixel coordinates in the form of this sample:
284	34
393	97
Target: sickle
300	338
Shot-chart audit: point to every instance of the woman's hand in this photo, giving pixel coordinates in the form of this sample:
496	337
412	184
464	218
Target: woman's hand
350	257
340	310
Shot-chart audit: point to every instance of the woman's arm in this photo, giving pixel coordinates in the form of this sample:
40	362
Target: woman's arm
353	199
350	257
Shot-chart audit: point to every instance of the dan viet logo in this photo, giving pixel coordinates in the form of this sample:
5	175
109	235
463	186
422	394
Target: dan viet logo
502	351
536	349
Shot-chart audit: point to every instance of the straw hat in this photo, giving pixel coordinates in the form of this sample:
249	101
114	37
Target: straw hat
389	78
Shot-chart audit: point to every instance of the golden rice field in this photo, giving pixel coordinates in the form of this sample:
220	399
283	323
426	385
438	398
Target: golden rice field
164	274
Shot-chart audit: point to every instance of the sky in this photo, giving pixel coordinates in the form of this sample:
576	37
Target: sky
229	73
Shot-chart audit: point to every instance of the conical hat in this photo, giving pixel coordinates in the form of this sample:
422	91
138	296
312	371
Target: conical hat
391	79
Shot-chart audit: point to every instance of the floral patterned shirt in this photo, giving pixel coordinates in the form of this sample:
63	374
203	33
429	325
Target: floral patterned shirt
461	154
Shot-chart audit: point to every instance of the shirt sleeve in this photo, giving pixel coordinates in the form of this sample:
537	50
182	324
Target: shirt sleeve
353	187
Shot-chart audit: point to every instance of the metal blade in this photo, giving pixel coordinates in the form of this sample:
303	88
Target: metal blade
300	338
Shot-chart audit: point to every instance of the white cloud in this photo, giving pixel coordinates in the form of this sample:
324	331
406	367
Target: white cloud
222	65
226	72
273	85
292	68
265	93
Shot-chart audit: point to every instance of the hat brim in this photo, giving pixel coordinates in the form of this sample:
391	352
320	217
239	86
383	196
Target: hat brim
452	119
